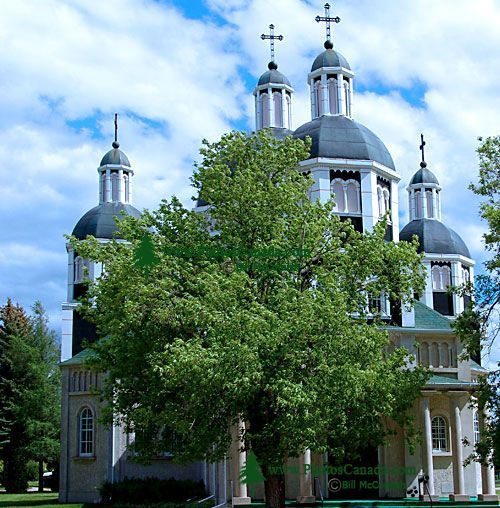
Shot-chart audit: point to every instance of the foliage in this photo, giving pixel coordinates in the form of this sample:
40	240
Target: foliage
139	491
478	325
258	313
29	390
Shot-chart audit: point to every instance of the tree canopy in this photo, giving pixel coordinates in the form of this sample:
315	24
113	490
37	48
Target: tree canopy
258	310
478	325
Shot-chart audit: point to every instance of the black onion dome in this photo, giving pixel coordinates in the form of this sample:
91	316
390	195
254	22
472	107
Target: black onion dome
339	137
424	175
100	220
434	237
273	76
115	156
330	58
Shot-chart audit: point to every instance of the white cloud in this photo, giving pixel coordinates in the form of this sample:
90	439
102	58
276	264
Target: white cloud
176	80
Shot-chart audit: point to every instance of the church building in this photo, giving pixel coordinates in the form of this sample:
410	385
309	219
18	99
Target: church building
347	161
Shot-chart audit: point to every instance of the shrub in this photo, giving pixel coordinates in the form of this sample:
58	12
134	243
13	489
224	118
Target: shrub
138	491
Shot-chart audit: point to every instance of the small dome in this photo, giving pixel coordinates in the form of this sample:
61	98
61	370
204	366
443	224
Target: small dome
115	156
100	220
339	137
434	237
330	58
424	175
273	76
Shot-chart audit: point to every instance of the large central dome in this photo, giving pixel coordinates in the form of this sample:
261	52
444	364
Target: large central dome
339	137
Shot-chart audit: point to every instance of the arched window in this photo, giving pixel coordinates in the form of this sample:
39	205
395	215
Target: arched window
337	188
125	186
78	270
278	109
346	98
353	199
441	277
73	382
430	204
439	434
332	95
477	432
114	187
265	110
387	200
434	355
465	274
424	354
86	433
318	97
418	205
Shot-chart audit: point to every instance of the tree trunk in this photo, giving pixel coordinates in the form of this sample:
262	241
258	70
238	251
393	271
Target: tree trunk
274	486
40	476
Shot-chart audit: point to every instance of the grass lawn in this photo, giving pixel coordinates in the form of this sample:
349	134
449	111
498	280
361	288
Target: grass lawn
46	500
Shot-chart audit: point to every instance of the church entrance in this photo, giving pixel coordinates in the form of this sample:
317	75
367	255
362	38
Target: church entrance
354	478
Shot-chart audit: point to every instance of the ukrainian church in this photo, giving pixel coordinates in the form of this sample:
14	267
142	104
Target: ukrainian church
348	161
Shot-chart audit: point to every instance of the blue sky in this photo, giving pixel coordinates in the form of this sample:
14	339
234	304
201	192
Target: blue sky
179	71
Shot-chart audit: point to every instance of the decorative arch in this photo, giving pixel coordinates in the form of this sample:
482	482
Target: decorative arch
346	195
78	270
347	98
441	277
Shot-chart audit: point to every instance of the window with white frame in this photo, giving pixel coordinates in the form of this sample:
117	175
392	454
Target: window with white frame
86	433
337	189
465	274
477	431
384	200
439	434
332	95
441	277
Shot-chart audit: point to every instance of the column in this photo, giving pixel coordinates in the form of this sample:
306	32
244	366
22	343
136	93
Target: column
324	95
394	210
487	472
456	279
107	197
340	94
271	107
121	187
351	94
241	488
257	126
434	203
305	479
423	198
101	197
427	449
313	99
457	448
284	116
369	201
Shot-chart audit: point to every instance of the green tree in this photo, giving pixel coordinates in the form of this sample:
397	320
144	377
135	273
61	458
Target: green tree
251	473
478	325
29	390
281	341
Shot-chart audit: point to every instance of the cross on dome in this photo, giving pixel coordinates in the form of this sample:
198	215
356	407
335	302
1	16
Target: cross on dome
423	164
115	143
271	37
328	20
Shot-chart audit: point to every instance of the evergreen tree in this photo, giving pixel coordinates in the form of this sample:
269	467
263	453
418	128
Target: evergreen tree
29	390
